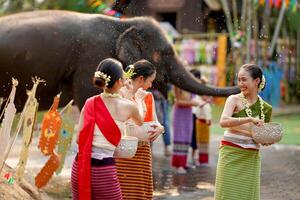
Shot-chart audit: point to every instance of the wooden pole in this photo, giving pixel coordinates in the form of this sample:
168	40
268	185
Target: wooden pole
235	17
277	29
298	63
228	18
255	32
249	31
243	16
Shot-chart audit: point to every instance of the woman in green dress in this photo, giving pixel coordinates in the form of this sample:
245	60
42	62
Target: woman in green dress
238	169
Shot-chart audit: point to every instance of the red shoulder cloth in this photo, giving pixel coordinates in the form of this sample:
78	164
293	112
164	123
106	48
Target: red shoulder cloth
95	111
149	107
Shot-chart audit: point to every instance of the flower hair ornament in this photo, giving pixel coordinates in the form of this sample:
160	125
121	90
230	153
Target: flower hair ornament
130	72
262	84
99	74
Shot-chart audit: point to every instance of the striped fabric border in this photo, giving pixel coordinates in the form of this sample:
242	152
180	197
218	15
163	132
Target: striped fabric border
202	137
180	152
238	174
104	180
135	175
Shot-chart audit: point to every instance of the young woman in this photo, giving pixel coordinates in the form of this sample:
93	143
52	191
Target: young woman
202	121
101	123
182	128
135	174
238	169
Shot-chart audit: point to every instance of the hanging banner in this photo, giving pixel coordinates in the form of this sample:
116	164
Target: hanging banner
51	125
28	125
47	171
5	129
66	135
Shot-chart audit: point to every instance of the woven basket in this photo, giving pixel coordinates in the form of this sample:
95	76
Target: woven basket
127	147
268	133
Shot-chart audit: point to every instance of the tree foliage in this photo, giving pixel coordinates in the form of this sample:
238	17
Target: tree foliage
13	6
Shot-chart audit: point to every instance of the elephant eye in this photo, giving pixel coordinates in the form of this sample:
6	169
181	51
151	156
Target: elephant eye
156	56
138	46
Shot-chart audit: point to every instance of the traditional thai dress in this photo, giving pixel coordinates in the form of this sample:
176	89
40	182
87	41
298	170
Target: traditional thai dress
182	129
94	173
203	118
238	169
135	174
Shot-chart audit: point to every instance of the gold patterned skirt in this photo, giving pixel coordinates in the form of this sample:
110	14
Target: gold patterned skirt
135	174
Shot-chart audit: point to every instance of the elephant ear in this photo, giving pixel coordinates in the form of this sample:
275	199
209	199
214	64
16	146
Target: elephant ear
129	45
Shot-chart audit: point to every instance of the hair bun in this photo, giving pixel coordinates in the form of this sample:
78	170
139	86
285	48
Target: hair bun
99	81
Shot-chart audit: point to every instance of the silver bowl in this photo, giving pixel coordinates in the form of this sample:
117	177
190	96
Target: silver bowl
127	147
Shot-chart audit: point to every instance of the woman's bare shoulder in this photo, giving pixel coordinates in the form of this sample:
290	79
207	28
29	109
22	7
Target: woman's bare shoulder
127	103
233	98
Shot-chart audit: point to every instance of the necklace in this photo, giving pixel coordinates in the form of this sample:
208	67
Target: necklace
111	95
246	104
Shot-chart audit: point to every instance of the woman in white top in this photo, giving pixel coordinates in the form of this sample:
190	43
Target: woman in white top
135	174
102	122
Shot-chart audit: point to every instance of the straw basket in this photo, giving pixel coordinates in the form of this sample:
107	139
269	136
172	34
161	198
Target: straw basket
127	147
268	133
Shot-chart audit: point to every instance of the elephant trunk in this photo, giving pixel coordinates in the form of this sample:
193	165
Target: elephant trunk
185	80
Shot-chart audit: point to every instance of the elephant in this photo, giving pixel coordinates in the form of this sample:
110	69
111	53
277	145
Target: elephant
65	47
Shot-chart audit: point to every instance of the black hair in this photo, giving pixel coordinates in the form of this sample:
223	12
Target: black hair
196	73
110	67
142	68
254	71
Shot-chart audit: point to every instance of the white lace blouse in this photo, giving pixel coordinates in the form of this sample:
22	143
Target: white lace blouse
101	147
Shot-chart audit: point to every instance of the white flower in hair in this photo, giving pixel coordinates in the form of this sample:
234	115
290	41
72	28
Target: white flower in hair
130	72
262	84
131	67
99	74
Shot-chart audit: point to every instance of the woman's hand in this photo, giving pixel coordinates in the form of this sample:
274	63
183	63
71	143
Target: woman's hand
257	122
158	130
128	84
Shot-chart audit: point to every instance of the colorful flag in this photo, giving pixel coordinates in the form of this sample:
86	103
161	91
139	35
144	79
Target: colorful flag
28	125
51	125
5	130
66	135
47	171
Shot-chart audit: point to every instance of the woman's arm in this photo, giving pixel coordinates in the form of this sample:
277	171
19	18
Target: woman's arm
182	102
135	115
227	121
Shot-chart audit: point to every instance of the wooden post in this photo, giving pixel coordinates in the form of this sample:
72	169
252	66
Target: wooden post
249	31
255	32
235	18
221	64
298	63
277	28
243	16
228	18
